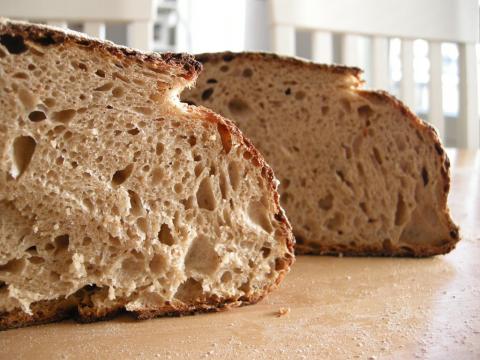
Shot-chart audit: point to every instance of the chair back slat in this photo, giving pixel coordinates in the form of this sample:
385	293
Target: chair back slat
468	130
407	83
322	47
380	65
284	39
435	114
350	50
94	29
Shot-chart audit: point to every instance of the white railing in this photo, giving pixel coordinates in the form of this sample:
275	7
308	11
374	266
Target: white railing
138	15
436	21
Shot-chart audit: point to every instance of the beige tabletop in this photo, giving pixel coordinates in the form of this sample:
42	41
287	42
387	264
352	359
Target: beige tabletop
366	308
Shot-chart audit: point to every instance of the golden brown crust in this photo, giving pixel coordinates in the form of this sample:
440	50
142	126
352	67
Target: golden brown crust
375	96
79	306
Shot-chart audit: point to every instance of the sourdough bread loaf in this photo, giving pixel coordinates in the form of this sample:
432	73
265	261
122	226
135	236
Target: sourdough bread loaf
360	173
116	196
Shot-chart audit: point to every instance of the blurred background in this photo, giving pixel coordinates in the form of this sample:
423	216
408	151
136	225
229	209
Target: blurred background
425	52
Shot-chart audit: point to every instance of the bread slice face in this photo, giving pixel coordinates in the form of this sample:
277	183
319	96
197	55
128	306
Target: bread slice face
360	173
116	196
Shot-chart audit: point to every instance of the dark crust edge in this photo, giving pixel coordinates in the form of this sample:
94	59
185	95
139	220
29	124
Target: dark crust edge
228	56
376	96
185	65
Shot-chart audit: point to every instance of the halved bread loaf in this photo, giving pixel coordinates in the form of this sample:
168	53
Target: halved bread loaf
114	195
360	173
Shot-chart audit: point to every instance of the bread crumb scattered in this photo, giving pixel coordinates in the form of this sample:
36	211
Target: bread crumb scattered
283	312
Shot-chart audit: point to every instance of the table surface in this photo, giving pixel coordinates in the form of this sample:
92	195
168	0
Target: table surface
339	308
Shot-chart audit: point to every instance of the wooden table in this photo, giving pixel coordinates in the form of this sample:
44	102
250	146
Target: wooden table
339	308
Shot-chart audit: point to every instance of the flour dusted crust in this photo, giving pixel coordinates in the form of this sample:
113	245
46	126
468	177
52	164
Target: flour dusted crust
114	196
360	173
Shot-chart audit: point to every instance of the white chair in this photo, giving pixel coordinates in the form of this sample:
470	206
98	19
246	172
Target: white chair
436	21
93	14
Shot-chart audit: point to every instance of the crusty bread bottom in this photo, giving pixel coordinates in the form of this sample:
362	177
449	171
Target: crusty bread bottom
79	307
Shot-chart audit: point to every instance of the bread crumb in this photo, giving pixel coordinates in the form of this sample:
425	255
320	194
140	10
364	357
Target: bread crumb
283	312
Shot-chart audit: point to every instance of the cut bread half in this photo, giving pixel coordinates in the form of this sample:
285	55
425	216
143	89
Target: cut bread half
116	196
360	173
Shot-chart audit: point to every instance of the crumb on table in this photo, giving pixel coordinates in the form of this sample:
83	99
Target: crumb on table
282	312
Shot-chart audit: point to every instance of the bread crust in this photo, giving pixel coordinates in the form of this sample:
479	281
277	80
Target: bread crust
184	66
301	247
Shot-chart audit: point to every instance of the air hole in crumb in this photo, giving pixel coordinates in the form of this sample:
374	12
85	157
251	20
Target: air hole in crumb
157	176
224	68
143	110
234	175
165	235
20	75
280	264
133	131
205	195
190	291
326	202
49	102
192	140
86	241
377	156
300	95
226	277
118	92
247	73
15	266
61	243
387	245
100	73
365	111
238	106
131	267
49	247
157	264
346	105
27	98
142	224
425	176
325	110
120	176
401	211
202	257
178	188
23	149
64	116
288	91
212	81
136	207
14	43
223	185
207	93
265	251
336	222
258	215
159	149
105	87
36	260
37	116
32	250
